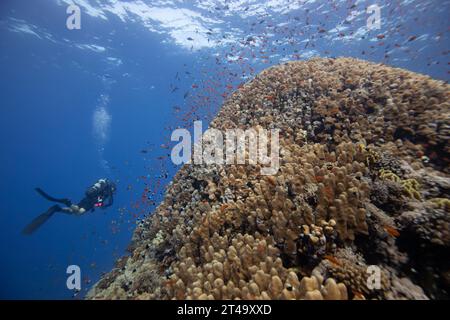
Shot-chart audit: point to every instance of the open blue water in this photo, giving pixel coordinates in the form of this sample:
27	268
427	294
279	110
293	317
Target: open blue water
102	101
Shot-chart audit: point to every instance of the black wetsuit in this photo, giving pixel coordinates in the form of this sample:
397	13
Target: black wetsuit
100	195
96	196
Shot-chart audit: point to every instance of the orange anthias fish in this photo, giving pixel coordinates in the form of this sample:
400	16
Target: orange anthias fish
319	178
332	259
391	231
169	282
358	294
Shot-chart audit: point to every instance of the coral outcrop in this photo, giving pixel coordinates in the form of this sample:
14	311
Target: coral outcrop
363	181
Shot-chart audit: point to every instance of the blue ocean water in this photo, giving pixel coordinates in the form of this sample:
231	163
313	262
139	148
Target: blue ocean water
102	101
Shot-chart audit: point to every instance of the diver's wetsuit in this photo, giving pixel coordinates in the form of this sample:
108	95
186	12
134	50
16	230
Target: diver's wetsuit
100	195
95	197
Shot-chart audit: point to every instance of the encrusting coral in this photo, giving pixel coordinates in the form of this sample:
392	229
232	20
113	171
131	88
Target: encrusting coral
363	180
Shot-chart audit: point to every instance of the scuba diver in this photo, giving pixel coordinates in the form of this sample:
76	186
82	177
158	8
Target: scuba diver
100	195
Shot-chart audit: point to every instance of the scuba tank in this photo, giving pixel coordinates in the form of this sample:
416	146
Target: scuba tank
97	188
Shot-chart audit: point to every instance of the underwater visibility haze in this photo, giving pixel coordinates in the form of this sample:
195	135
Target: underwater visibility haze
96	96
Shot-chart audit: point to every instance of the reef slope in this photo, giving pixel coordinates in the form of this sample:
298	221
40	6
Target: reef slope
363	180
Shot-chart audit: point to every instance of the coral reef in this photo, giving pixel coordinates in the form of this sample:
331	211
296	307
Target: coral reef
363	181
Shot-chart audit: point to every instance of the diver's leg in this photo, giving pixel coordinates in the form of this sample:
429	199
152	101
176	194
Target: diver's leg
38	221
65	201
74	210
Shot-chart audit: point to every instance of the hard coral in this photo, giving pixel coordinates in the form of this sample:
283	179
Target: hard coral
311	230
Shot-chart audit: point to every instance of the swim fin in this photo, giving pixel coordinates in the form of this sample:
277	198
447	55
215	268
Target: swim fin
67	202
39	220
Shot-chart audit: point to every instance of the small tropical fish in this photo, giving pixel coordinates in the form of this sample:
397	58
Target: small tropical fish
169	282
358	294
319	178
391	231
332	259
